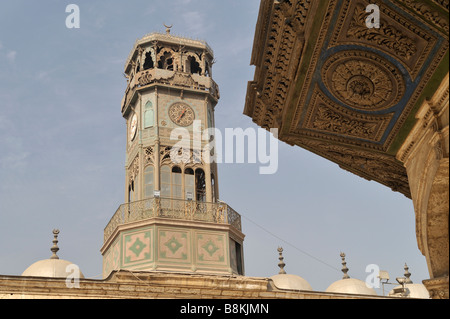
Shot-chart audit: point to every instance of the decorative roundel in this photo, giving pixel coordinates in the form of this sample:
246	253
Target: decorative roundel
363	80
181	114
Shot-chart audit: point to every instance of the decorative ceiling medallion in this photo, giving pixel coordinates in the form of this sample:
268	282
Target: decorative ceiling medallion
363	80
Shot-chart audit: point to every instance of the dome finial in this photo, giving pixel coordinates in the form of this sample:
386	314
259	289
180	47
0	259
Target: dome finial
281	264
344	267
55	247
407	275
168	28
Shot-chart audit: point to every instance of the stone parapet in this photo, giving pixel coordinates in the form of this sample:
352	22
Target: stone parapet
125	284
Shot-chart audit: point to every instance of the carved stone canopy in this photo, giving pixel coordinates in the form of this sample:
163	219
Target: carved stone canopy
342	90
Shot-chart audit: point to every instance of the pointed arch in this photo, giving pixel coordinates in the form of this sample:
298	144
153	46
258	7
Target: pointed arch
149	182
149	63
149	115
166	60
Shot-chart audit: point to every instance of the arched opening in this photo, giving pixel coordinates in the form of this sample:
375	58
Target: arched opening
149	182
177	183
189	183
131	192
165	181
194	66
148	64
149	115
166	62
200	185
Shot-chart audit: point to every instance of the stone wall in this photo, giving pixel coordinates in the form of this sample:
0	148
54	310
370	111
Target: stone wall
425	154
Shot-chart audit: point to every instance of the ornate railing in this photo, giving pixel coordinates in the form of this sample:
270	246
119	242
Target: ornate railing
219	213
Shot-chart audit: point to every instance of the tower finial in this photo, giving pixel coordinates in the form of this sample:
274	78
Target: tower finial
168	28
407	275
281	264
55	247
344	267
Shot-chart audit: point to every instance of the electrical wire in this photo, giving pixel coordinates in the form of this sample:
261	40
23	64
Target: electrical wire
292	245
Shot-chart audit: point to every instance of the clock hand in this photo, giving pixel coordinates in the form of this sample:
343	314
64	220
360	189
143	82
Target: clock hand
181	115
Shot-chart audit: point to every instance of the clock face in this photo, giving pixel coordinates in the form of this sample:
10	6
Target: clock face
133	127
181	114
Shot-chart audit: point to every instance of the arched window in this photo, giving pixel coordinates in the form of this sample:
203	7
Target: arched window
148	182
148	63
207	69
213	188
165	181
189	183
149	115
166	62
177	191
200	185
210	119
131	192
194	66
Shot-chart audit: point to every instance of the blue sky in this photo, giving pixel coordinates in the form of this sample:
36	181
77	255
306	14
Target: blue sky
62	148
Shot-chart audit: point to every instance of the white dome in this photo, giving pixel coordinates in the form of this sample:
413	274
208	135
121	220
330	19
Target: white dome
52	268
415	291
292	282
351	286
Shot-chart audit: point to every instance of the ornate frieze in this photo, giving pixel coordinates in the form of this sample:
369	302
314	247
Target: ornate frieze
191	158
149	154
328	120
397	36
145	78
327	117
442	3
387	35
176	79
284	38
429	13
438	287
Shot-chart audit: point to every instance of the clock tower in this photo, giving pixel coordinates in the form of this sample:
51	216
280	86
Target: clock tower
172	218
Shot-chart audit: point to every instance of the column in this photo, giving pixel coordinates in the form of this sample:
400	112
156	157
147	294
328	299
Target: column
425	154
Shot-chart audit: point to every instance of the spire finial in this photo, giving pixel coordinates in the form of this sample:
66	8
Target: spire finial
344	267
407	275
168	28
55	247
281	264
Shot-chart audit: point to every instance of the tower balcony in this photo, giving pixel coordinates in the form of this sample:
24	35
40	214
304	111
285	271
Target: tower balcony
171	235
182	80
178	209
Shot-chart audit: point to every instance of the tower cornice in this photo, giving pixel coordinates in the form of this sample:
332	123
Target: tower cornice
164	38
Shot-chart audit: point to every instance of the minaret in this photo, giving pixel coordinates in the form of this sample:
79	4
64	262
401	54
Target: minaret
172	218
